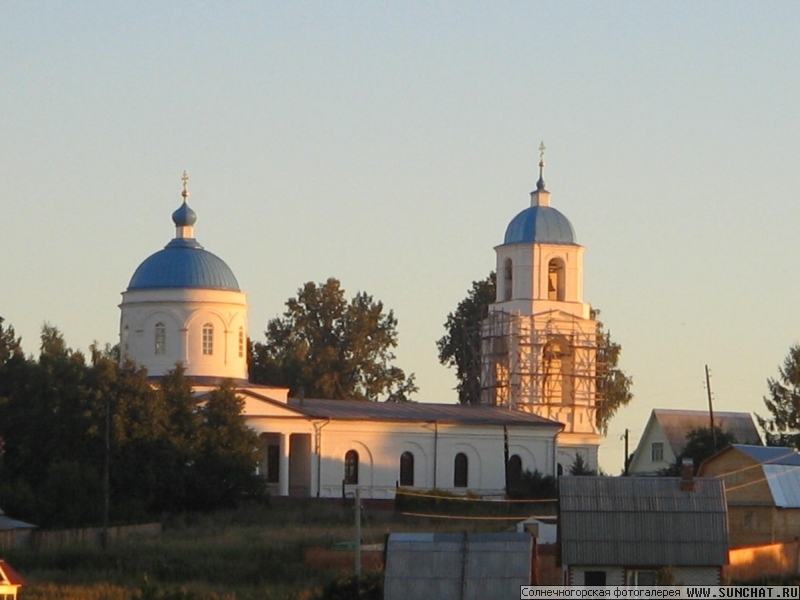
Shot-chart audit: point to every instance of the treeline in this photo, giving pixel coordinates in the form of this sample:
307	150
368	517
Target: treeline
67	419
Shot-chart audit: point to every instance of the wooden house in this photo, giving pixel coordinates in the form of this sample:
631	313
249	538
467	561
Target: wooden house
762	486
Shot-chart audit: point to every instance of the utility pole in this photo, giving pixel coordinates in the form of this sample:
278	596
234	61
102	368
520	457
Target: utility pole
625	460
711	411
358	539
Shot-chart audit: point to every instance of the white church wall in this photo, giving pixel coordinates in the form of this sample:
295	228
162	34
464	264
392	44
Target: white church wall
187	310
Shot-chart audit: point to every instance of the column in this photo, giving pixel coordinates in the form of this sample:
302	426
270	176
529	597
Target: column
283	466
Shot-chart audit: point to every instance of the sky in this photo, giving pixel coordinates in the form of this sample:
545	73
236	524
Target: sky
389	144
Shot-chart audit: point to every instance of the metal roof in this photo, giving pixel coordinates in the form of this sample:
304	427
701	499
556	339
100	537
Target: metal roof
7	523
469	566
774	455
784	484
7	574
644	521
542	224
183	263
677	423
417	412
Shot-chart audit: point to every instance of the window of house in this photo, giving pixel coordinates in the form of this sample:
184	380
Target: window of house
407	469
161	339
555	279
351	467
241	342
514	471
508	279
208	339
461	470
594	578
657	451
642	578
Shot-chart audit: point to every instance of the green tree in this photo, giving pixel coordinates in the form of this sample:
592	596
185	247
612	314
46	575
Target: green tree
534	485
700	445
613	385
580	467
783	403
227	453
460	347
330	347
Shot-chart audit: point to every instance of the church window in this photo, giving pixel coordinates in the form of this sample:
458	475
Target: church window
555	280
407	469
461	471
508	279
657	451
514	471
351	467
208	339
241	342
161	339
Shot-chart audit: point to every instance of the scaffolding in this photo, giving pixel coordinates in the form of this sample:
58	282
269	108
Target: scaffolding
550	368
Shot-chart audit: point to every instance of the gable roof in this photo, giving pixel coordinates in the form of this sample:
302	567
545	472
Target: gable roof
9	575
462	414
676	424
774	455
781	468
643	521
7	523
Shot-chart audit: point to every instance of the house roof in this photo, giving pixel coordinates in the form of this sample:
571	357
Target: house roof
7	523
773	455
644	521
9	575
676	424
461	414
781	467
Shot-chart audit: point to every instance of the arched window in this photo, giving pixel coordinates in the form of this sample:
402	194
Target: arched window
407	469
508	279
208	339
514	471
555	280
161	339
241	342
460	471
351	467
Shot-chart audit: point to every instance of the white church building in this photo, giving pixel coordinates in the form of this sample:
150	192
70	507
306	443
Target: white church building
184	305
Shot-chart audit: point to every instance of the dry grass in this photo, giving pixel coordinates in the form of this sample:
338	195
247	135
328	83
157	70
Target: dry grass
255	553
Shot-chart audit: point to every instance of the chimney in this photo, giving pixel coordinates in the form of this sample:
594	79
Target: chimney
687	475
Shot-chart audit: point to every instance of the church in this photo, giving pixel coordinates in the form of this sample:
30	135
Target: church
184	305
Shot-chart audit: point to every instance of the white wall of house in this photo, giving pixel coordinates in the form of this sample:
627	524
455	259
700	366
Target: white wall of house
652	444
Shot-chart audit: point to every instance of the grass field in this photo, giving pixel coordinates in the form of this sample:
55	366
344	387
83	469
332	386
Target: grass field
254	553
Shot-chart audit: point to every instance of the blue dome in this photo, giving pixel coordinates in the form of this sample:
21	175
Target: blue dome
184	264
540	224
184	216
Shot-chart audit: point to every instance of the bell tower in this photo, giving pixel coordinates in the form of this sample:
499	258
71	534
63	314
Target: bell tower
539	342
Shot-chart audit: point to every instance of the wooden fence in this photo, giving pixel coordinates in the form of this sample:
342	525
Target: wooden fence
89	537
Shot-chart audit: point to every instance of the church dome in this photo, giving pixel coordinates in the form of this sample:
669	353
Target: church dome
183	263
542	225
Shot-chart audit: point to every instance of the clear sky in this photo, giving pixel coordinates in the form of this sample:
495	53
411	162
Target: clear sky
388	144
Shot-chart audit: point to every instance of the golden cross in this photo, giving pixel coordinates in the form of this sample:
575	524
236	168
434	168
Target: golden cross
541	151
185	180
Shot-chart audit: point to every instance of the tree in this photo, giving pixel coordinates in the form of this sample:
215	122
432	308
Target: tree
700	445
460	347
783	402
330	347
580	467
613	385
